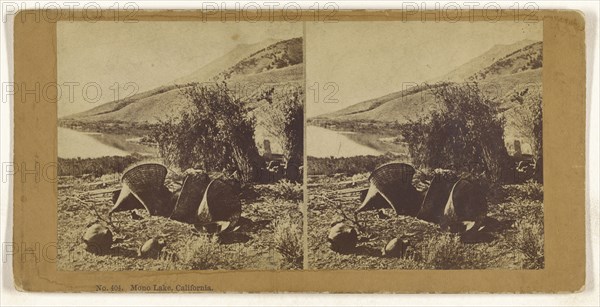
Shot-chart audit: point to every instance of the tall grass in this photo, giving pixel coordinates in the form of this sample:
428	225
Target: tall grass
288	190
201	253
529	241
531	190
288	242
447	252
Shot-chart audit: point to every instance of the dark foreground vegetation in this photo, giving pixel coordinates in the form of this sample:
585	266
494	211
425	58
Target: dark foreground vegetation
95	167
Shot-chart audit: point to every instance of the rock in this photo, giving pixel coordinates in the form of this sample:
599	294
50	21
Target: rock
152	248
381	214
212	227
396	247
98	239
342	237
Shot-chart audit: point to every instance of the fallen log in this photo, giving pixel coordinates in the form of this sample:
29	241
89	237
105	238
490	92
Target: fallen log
101	191
338	183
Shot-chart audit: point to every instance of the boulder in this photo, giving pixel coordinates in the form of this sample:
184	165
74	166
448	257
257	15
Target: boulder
98	239
151	248
396	247
342	237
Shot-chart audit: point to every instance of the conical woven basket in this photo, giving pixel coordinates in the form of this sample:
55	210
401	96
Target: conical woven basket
374	200
146	181
192	192
394	182
435	200
220	203
126	201
465	203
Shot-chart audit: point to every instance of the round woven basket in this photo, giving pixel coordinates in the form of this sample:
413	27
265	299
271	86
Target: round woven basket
188	202
220	203
143	177
388	177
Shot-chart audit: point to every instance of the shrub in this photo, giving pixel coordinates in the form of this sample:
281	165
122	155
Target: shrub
95	166
529	241
201	253
288	242
529	190
528	118
289	190
533	190
283	118
215	133
466	133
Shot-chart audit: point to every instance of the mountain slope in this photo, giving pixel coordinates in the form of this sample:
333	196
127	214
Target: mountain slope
280	62
519	65
279	55
215	67
475	65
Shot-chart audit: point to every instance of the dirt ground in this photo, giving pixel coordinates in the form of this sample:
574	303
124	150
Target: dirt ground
509	244
81	203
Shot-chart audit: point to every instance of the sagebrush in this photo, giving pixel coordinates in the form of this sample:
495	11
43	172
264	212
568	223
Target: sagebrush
447	252
283	118
289	190
466	133
215	133
530	242
201	253
288	242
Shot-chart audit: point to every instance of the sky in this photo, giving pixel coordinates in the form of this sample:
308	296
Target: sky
350	62
143	55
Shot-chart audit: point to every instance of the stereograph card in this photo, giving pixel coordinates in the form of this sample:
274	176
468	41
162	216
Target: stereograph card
354	151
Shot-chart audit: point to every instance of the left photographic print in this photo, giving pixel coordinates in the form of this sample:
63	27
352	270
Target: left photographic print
180	146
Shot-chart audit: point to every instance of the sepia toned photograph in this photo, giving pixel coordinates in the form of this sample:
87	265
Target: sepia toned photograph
180	146
424	145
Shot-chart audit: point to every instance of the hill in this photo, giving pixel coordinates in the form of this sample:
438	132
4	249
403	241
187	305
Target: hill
230	59
264	64
475	65
500	72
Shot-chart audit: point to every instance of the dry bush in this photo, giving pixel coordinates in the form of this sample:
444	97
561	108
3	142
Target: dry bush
289	190
528	117
446	252
532	190
411	264
201	253
214	133
527	191
529	240
283	118
288	242
466	133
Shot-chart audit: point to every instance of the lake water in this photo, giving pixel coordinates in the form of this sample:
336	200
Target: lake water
323	143
73	144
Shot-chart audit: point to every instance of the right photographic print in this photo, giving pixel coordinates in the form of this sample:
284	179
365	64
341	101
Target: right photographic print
424	145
